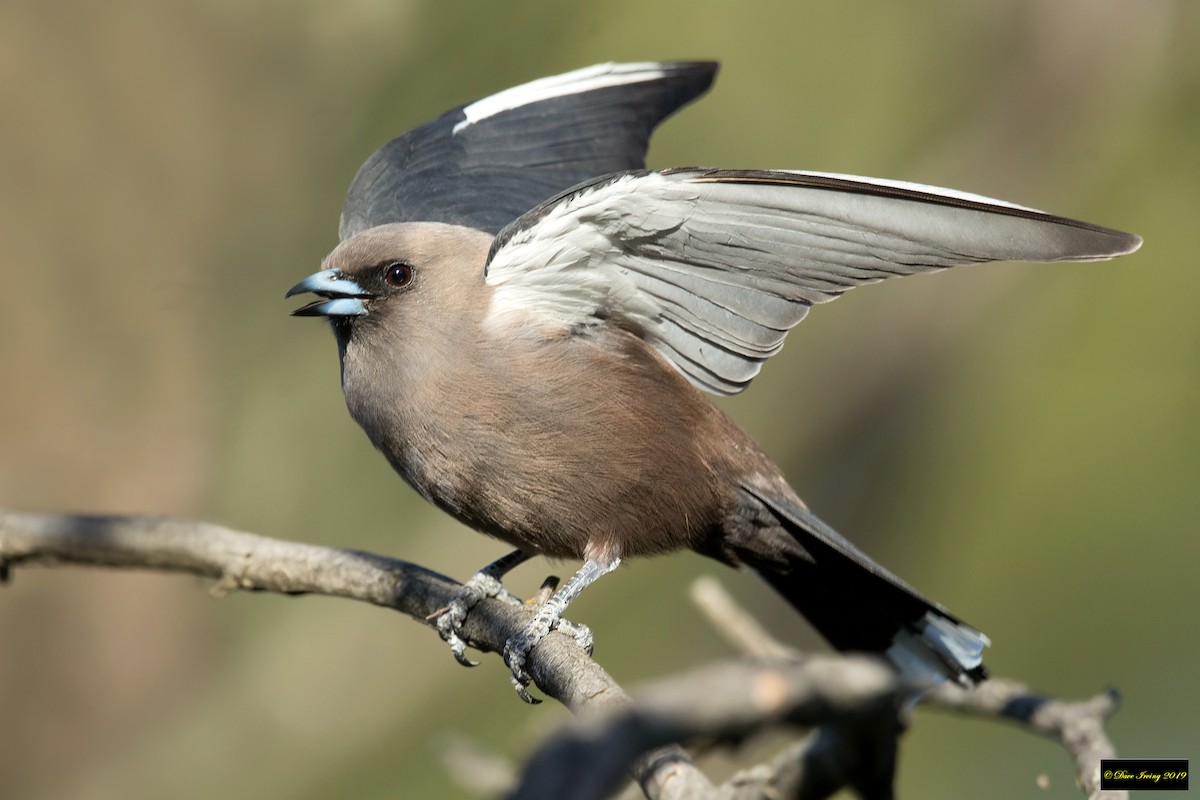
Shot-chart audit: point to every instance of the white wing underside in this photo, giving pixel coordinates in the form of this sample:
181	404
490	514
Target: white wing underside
714	267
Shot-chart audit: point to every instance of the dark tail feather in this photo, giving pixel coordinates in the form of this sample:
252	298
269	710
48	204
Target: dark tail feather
857	604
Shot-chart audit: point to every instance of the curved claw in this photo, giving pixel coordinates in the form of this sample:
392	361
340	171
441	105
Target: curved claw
516	651
450	619
458	648
522	692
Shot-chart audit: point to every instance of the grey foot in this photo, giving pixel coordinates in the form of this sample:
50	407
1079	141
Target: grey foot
549	616
450	619
517	649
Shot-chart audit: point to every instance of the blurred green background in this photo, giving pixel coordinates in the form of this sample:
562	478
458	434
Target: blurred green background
1019	441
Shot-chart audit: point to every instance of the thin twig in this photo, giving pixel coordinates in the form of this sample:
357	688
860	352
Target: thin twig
1077	725
741	630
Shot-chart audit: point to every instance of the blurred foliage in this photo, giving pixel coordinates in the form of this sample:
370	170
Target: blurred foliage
1020	441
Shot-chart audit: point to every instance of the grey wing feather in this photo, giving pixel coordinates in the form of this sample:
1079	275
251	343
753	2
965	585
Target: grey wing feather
715	266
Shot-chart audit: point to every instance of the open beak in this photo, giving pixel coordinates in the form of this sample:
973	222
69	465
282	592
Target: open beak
343	297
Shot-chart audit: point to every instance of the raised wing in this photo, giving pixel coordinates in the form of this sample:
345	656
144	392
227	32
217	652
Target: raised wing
485	163
713	267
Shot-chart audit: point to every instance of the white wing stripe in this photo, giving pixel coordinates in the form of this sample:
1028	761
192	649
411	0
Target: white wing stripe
580	81
939	191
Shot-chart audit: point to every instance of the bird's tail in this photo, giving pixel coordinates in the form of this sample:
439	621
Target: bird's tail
858	605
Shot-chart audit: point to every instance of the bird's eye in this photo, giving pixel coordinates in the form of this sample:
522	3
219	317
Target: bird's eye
398	274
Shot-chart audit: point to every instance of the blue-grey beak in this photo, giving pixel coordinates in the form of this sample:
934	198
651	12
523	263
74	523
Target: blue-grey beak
345	298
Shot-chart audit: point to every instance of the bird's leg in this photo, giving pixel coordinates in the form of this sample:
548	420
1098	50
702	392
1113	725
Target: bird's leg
483	584
516	649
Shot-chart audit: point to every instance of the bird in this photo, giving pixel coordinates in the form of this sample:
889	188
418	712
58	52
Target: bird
529	321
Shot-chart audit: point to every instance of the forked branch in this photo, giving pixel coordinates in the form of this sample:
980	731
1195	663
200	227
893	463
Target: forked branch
854	705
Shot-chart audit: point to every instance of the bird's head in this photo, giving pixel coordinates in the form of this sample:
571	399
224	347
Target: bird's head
397	275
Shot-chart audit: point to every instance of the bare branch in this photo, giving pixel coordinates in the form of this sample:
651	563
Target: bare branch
855	696
1078	726
854	700
239	560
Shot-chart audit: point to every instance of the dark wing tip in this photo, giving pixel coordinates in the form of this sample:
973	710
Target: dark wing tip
702	73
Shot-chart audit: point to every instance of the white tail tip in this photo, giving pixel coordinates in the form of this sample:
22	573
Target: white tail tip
937	649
